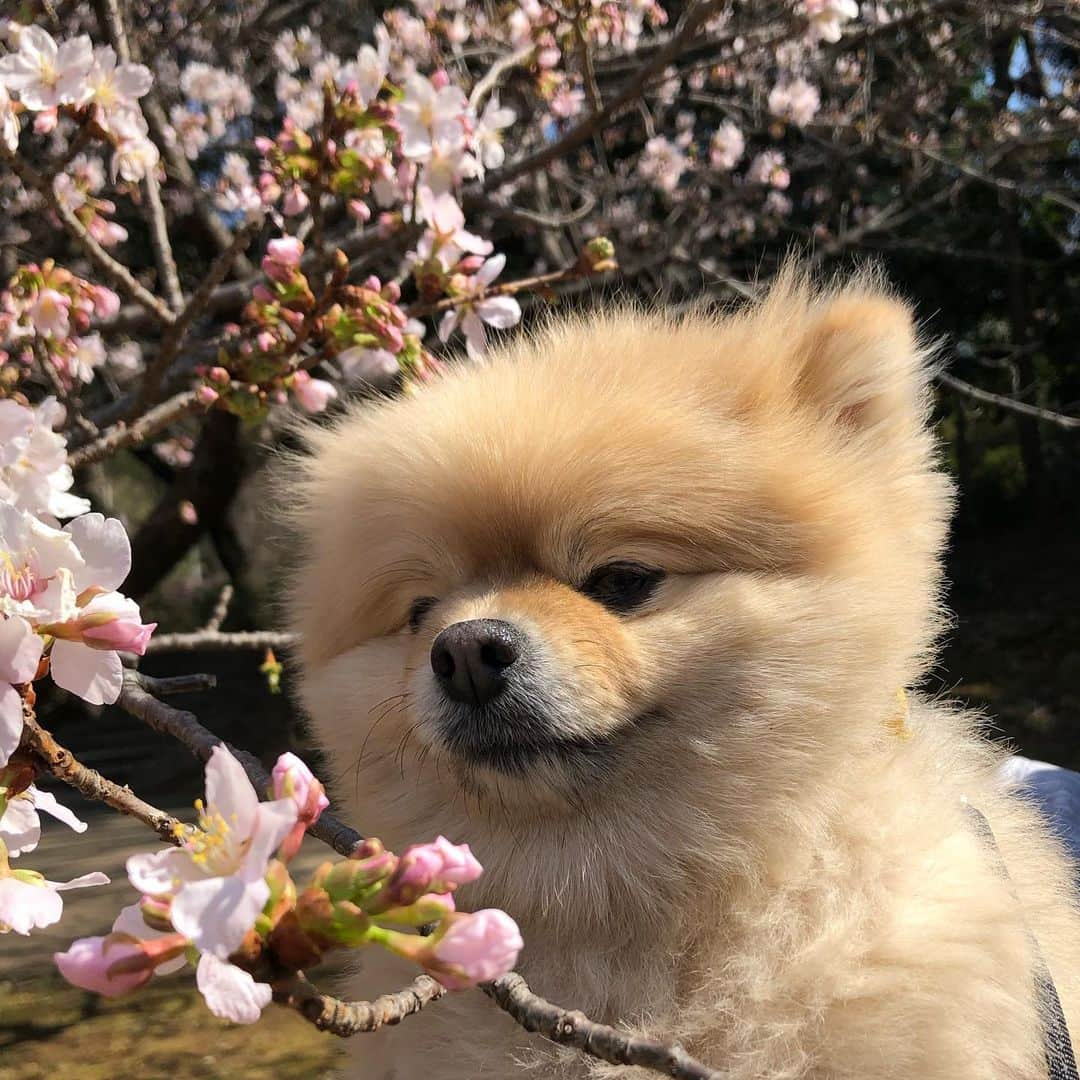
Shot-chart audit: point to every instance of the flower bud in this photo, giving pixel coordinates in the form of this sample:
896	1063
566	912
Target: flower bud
598	255
473	949
206	395
118	963
292	779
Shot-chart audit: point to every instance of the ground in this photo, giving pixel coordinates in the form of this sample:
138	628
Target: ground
1014	652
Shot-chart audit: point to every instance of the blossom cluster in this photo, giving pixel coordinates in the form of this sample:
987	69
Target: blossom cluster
223	900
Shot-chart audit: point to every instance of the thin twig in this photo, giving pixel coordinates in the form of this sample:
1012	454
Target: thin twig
61	763
123	434
219	640
221	609
507	288
138	698
112	22
347	1018
1011	404
495	73
173	339
115	271
572	1028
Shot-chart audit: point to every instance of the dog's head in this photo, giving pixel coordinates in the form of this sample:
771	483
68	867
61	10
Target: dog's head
630	557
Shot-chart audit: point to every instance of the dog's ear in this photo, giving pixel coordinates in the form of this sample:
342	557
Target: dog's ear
858	362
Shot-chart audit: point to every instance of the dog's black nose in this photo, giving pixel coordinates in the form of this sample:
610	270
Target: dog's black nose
471	659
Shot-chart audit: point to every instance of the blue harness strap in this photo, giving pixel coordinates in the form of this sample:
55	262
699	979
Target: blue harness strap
1057	1045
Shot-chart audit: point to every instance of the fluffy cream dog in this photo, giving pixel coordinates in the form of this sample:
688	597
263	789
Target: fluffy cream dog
628	609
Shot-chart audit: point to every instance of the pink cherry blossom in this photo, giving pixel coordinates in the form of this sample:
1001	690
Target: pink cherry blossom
662	163
487	132
474	949
426	114
361	364
217	878
726	146
502	312
45	74
49	313
115	87
313	395
20	825
28	901
796	100
130	921
828	16
769	167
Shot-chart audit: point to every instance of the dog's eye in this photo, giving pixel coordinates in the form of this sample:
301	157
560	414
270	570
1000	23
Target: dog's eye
420	607
622	586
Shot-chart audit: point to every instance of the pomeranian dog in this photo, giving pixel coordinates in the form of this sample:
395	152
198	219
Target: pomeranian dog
630	608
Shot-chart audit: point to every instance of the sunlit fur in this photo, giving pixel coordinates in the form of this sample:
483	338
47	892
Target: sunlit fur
745	857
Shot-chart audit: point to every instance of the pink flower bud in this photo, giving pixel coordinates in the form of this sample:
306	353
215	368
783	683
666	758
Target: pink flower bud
263	144
218	375
112	965
292	779
286	250
296	201
474	948
313	395
440	79
426	868
372	282
265	340
207	395
106	302
261	294
123	634
45	121
359	210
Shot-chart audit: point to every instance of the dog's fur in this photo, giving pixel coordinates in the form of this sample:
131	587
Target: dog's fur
741	849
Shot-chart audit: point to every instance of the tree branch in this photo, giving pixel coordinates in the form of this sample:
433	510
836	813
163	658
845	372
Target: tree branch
572	1028
1046	415
123	434
345	1018
62	763
174	337
138	698
224	640
115	271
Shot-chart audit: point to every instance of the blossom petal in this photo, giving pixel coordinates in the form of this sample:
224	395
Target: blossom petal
47	802
491	269
475	335
103	543
92	674
84	881
11	721
20	651
229	792
230	992
159	873
20	827
273	824
25	907
216	913
502	312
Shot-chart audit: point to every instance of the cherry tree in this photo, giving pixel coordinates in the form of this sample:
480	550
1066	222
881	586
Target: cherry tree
215	217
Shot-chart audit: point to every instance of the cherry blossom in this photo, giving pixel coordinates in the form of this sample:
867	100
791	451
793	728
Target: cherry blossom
34	473
20	823
796	100
216	880
45	74
487	132
115	87
502	312
429	115
662	163
827	17
28	901
313	395
118	963
726	146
